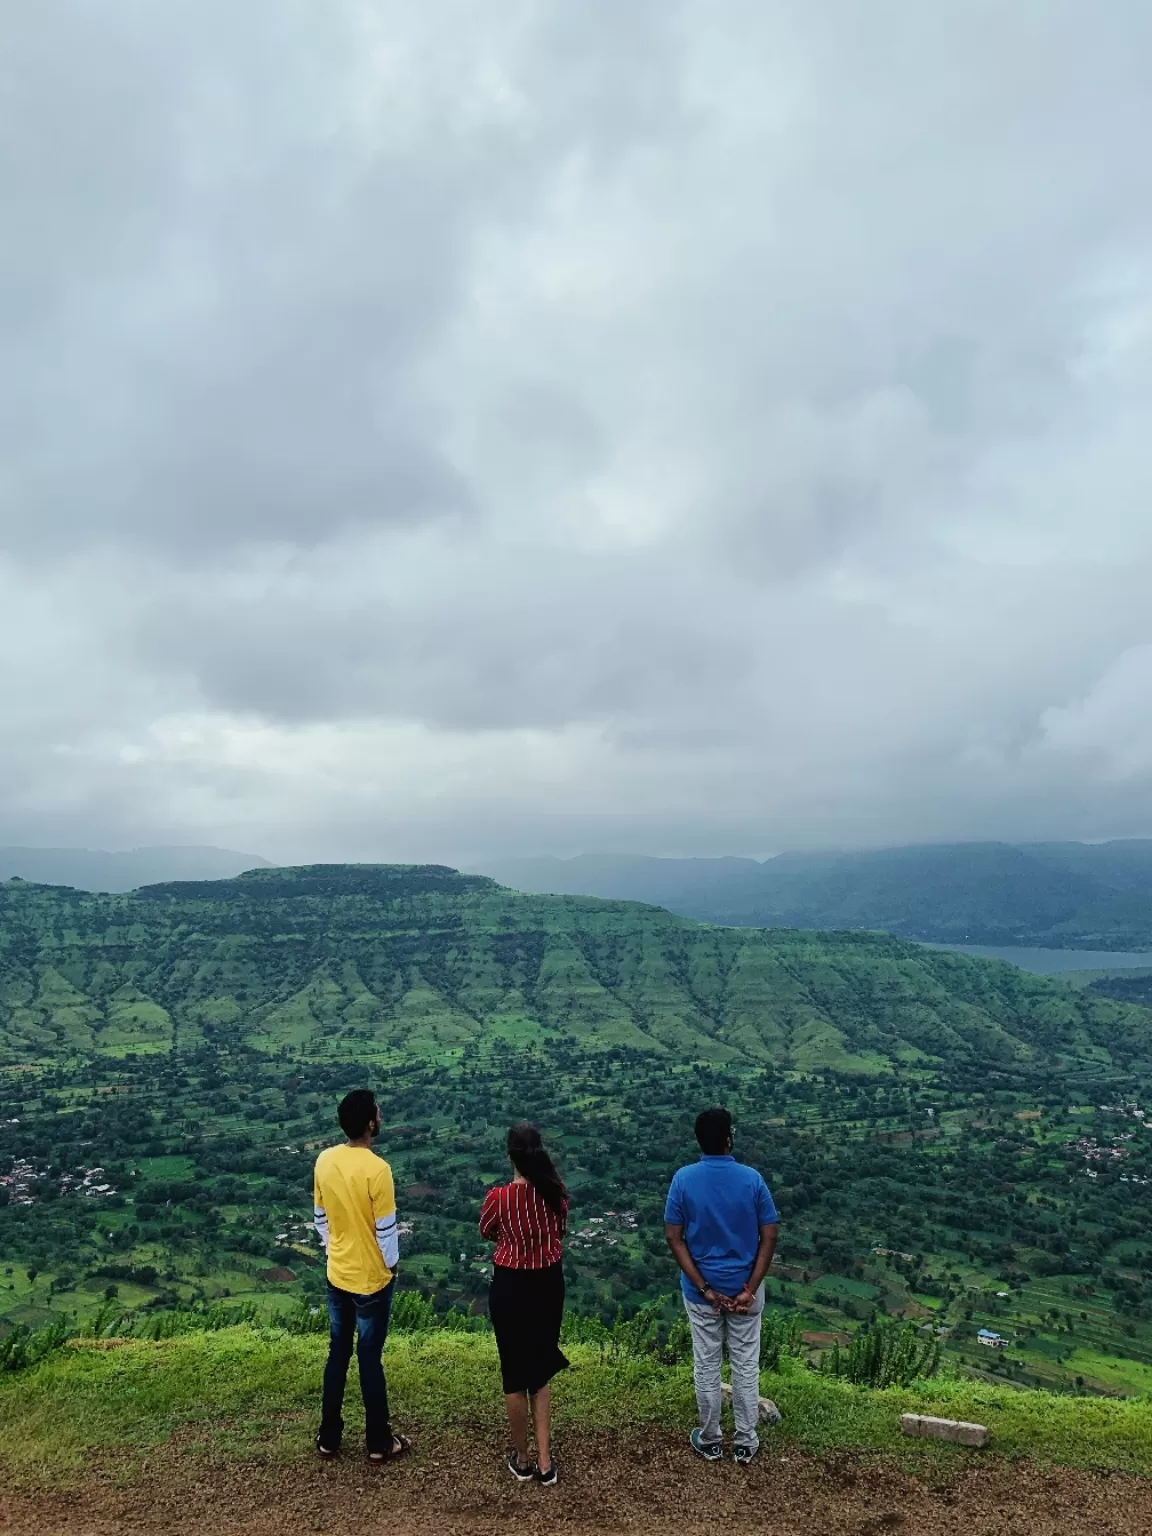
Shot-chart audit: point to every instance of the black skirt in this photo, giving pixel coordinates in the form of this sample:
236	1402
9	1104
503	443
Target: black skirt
527	1307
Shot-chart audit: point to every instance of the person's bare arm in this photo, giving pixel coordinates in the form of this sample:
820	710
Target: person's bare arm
674	1237
764	1254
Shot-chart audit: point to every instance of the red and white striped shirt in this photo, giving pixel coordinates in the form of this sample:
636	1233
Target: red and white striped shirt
527	1232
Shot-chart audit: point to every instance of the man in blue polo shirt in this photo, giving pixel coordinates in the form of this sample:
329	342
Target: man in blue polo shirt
721	1224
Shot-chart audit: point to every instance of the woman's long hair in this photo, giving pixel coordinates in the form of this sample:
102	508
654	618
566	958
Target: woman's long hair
526	1150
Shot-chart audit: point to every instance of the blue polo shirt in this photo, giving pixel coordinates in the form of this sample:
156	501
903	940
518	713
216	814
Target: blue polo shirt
721	1204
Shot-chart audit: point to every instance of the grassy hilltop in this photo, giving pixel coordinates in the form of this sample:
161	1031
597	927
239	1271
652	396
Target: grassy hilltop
243	1390
932	1125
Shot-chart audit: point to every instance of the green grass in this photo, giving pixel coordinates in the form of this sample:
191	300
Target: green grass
174	1167
245	1391
1082	979
846	1286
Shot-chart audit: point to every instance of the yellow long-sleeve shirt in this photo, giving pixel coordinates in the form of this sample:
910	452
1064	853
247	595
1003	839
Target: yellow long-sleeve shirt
355	1212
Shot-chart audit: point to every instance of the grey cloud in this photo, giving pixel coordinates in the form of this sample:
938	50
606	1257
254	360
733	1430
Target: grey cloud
550	644
236	245
689	428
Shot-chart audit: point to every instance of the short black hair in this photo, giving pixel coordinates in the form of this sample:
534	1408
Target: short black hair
357	1112
713	1129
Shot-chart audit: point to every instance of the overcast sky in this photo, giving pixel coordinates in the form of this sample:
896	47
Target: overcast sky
435	430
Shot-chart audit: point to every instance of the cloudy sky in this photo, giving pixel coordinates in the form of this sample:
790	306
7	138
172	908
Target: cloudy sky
676	426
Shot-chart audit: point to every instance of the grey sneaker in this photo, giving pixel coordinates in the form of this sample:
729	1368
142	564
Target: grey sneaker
711	1450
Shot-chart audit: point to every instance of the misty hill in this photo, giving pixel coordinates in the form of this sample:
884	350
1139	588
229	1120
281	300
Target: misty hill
1077	895
93	869
425	960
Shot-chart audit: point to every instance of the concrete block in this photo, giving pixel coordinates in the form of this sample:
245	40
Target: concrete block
924	1427
767	1411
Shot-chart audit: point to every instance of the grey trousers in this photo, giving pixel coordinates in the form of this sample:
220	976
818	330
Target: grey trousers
741	1331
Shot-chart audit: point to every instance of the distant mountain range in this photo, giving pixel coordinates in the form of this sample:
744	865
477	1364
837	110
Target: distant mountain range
92	869
1062	895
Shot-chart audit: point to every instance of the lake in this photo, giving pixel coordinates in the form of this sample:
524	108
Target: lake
1052	962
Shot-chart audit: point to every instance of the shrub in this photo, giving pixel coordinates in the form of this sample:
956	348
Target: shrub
23	1346
886	1354
643	1335
411	1313
780	1336
171	1323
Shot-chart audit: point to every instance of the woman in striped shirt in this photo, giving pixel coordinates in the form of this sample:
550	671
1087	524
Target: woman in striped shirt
526	1219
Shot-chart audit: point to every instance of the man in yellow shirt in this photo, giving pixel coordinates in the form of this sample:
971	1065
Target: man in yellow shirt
355	1212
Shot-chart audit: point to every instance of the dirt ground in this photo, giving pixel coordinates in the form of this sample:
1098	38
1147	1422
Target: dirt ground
609	1484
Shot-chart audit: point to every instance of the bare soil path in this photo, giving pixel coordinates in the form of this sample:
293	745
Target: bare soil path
647	1483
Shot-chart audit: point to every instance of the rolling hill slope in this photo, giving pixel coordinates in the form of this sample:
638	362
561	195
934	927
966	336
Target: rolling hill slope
427	959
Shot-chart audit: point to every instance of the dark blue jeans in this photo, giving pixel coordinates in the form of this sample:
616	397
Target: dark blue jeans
367	1317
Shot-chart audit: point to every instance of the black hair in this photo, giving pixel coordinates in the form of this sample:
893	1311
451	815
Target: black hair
713	1130
357	1112
526	1150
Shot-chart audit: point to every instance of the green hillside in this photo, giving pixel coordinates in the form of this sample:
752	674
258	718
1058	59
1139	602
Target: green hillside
424	959
951	1142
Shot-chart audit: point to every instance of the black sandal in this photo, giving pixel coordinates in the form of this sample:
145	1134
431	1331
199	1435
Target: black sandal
400	1446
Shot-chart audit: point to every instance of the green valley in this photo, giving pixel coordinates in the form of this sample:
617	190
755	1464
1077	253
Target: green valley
950	1141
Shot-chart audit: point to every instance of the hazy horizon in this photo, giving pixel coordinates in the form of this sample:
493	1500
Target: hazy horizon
437	432
500	856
